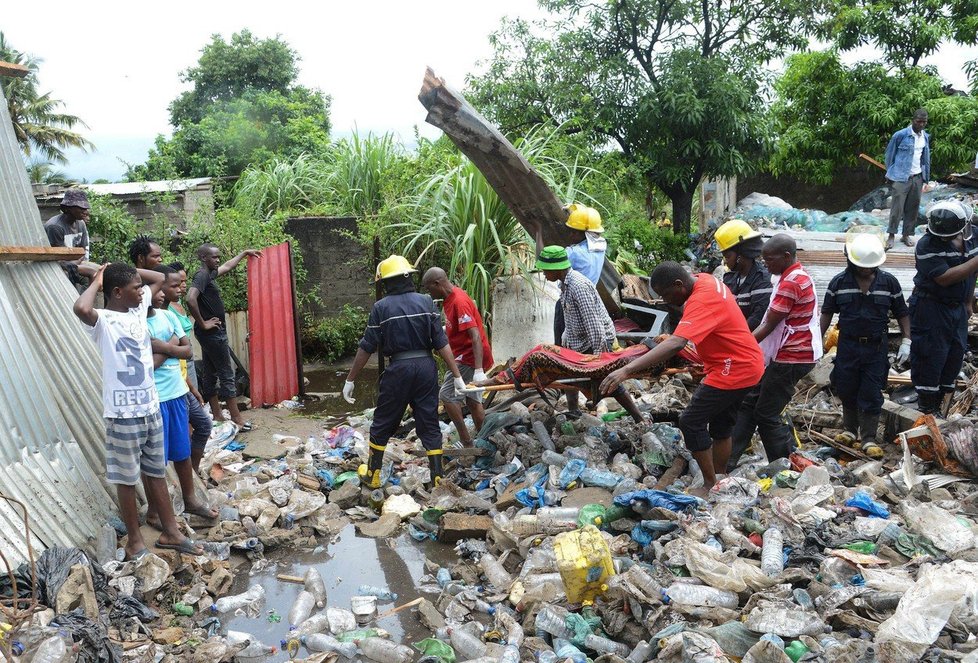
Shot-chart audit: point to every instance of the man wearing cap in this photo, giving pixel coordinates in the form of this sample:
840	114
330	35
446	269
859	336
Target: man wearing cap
731	358
941	302
70	229
586	251
864	296
907	169
740	246
405	326
589	329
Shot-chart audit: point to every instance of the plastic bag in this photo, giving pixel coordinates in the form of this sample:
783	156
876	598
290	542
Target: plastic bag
942	528
733	637
723	570
766	651
925	609
92	638
658	498
433	647
699	648
735	490
862	500
303	503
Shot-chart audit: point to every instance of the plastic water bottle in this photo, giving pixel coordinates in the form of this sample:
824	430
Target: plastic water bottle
444	576
514	631
541	432
324	642
606	645
553	620
553	458
834	650
773	637
255	649
51	650
301	608
314	584
385	651
318	623
255	594
555	519
511	654
466	645
565	650
497	576
600	478
772	554
803	599
379	592
641	653
686	594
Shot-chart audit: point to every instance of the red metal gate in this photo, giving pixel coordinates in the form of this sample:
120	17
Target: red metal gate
273	339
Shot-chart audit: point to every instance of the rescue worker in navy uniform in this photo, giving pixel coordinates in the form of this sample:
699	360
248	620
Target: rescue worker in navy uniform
740	246
405	326
864	296
942	300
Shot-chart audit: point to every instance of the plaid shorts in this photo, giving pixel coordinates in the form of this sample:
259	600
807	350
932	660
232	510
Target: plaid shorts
134	446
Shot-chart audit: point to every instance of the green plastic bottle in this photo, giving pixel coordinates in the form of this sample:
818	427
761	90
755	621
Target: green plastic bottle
181	608
613	416
864	547
795	650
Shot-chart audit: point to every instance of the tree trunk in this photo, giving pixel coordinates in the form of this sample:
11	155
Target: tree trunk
682	208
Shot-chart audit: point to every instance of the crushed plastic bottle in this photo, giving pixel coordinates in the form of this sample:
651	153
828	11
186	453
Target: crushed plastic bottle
314	584
772	553
553	620
323	642
566	650
705	595
379	592
254	596
255	649
606	645
385	651
497	576
301	608
641	653
52	650
466	645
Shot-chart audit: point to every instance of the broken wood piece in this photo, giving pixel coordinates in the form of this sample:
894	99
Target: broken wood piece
674	472
394	611
825	439
298	580
899	380
463	452
308	482
13	70
39	253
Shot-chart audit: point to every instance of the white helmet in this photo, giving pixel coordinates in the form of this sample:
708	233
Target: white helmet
947	218
866	250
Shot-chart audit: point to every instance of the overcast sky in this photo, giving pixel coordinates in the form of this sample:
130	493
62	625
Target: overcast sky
116	64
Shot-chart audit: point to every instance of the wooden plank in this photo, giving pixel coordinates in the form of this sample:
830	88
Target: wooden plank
13	70
39	253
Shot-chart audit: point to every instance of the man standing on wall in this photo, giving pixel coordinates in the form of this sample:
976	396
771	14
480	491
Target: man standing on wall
207	308
70	229
907	168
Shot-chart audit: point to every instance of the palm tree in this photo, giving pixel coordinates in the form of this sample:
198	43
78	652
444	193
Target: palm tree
39	125
41	172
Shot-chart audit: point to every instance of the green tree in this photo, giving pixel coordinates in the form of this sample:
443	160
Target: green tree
903	30
40	125
244	108
674	85
825	113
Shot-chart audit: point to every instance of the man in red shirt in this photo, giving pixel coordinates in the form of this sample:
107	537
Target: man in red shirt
732	360
470	345
791	340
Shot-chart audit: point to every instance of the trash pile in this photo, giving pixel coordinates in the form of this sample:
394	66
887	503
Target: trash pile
574	539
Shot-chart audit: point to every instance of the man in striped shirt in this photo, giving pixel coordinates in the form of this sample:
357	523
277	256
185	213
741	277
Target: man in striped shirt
791	342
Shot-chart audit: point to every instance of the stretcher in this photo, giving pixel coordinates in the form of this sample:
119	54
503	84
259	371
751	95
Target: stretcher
553	367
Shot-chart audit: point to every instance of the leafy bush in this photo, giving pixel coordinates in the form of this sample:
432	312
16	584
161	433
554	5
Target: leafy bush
110	229
336	337
639	240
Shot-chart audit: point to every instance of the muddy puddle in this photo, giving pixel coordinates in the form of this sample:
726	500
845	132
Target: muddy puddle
396	564
329	380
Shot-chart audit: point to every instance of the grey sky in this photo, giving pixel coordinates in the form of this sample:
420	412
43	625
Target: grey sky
116	64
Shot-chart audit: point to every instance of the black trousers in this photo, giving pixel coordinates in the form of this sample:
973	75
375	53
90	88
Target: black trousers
761	411
558	324
859	373
407	382
939	335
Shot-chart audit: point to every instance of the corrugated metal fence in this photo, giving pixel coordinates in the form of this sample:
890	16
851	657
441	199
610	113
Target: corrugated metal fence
51	430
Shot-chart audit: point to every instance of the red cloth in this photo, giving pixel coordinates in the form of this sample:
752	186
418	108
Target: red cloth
546	363
795	295
461	315
712	321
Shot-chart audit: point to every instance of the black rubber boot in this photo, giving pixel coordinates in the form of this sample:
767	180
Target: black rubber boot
370	472
868	426
850	420
435	466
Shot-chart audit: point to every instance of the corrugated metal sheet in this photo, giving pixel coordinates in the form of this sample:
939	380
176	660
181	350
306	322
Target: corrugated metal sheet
51	431
271	326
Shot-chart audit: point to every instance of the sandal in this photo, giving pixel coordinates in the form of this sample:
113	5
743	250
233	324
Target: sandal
204	511
245	427
186	547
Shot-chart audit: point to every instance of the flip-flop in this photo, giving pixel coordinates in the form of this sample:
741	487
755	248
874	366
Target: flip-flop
245	427
187	547
138	556
203	512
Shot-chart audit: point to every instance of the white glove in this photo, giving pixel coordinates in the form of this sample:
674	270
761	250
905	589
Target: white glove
479	375
348	392
459	386
903	354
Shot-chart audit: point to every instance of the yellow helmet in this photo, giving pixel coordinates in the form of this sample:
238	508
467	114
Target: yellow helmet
394	266
732	233
584	218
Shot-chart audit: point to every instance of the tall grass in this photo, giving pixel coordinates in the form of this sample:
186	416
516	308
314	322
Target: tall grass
283	186
459	223
359	167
